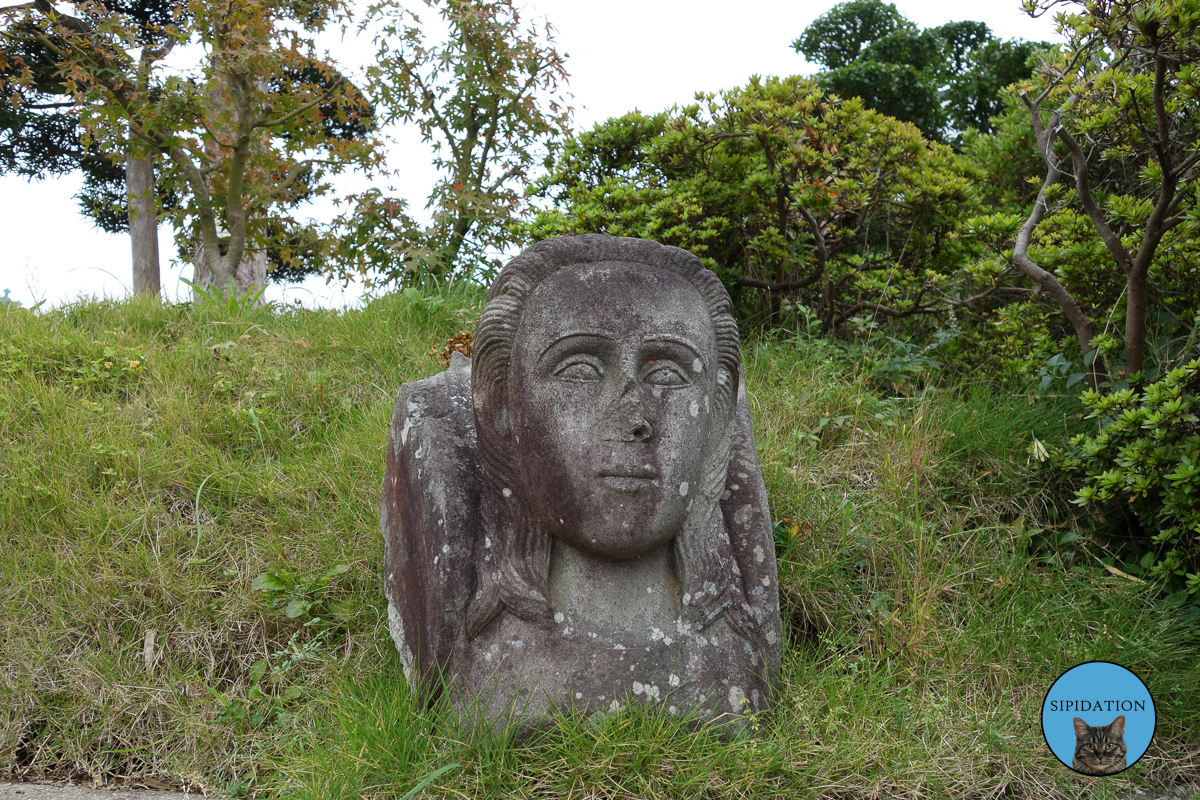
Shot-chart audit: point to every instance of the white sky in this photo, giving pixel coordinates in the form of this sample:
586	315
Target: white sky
623	54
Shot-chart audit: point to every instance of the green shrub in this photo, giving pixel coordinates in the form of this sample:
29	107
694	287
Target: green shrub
1147	455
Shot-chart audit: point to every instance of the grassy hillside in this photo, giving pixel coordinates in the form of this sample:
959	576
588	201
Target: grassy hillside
191	589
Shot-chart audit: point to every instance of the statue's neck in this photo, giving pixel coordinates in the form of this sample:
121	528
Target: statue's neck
614	595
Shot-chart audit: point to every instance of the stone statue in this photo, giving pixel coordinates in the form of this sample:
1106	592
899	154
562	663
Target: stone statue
576	519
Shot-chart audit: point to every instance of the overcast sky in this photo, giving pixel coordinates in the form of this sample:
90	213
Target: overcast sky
623	54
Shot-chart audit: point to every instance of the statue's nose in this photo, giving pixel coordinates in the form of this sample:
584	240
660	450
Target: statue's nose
628	420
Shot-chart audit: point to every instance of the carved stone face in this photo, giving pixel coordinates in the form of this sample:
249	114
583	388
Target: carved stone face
612	391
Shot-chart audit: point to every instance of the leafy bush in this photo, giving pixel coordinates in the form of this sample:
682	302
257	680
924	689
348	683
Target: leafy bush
792	196
1147	454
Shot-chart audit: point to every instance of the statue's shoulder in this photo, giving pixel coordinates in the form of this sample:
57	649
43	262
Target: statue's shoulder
446	395
430	514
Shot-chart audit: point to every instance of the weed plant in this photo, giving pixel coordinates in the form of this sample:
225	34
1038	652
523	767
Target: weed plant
191	589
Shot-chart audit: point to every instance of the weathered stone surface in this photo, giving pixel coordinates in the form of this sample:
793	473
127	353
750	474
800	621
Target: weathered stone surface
578	519
430	518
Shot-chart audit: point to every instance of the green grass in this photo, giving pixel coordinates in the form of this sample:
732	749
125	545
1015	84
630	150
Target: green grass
155	460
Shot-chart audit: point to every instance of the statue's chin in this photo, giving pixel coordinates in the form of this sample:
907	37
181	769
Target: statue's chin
618	518
617	540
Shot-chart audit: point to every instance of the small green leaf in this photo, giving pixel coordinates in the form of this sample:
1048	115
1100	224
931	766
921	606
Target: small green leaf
258	670
268	582
297	607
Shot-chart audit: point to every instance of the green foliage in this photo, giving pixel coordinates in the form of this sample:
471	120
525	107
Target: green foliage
975	92
944	80
787	194
488	97
273	687
378	740
1007	158
909	367
228	296
308	601
1110	237
75	364
838	37
1067	243
40	134
895	89
1060	367
157	458
1146	457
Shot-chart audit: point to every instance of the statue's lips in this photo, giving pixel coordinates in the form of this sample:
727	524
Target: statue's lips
630	479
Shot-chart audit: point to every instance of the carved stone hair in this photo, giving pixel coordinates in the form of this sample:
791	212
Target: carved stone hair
512	556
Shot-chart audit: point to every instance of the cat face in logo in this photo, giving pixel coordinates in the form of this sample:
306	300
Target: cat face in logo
1099	749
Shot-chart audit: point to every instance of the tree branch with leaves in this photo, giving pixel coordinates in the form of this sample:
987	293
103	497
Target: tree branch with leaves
491	100
1114	117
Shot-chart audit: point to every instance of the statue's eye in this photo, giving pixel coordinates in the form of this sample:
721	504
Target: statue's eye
580	367
664	373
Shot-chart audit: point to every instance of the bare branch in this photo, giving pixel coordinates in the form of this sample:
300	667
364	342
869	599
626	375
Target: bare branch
785	286
66	20
1187	163
1059	75
1083	192
818	237
1048	282
288	117
13	9
1161	121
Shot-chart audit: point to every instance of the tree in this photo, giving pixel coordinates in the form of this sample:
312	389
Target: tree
1114	116
488	98
974	93
794	198
838	37
944	80
40	135
243	137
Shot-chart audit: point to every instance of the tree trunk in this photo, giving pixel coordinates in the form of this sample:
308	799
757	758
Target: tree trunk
143	225
1135	322
447	254
249	279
